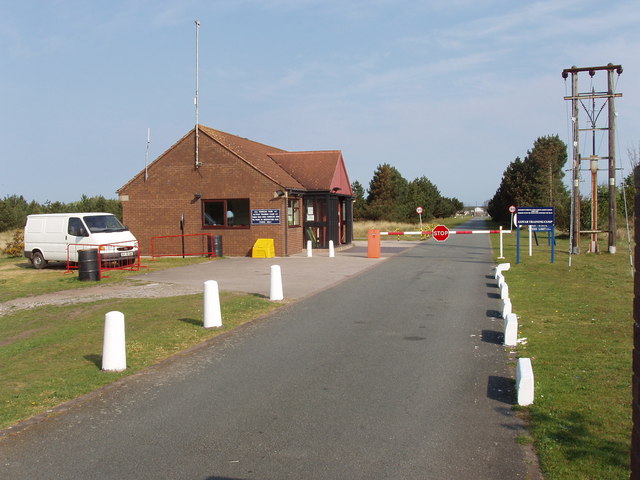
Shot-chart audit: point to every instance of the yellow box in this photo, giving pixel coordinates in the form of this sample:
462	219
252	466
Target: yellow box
263	248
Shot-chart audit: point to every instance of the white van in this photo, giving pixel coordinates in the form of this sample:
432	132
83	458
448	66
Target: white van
59	236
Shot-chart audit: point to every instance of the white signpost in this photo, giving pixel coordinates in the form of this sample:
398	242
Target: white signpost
419	211
512	210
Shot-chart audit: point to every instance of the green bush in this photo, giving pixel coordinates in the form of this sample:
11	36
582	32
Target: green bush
15	247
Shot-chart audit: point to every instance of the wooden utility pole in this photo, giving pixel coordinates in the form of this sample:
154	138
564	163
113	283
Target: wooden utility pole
613	229
578	99
575	187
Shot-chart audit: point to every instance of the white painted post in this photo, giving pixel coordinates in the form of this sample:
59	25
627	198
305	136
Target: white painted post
504	291
501	280
212	312
275	292
309	249
506	307
114	351
502	267
501	254
332	252
524	381
511	330
530	241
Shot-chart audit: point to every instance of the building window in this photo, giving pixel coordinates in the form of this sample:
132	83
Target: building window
293	212
229	213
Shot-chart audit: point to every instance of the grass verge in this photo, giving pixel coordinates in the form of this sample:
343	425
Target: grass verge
18	278
51	355
578	328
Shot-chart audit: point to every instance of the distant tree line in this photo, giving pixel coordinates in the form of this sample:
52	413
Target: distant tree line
537	181
391	197
15	208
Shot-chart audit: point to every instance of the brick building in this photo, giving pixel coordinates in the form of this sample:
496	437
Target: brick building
241	191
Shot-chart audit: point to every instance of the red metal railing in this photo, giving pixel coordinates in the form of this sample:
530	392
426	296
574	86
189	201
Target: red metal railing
105	250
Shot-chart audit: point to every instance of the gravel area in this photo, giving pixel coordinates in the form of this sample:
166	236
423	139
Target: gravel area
127	289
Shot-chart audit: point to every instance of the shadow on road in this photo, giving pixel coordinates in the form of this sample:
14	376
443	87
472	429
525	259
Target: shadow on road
500	389
492	336
223	478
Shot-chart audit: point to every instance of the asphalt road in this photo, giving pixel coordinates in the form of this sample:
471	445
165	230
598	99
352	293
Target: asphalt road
397	373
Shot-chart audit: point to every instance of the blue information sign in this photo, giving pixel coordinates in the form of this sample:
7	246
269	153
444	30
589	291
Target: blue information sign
541	227
265	216
536	215
539	219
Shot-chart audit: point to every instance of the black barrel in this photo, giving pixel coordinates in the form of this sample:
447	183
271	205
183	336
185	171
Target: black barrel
88	265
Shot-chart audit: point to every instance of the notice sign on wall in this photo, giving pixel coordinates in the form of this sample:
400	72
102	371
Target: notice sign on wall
265	216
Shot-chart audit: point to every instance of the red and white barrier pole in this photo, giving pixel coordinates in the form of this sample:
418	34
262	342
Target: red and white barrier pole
440	233
451	232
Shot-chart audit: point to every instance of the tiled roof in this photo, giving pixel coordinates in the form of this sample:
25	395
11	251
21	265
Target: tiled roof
317	171
256	154
314	170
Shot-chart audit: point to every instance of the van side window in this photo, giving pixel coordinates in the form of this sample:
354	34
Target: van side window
76	228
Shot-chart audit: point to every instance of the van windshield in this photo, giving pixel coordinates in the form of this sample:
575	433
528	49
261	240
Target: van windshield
103	223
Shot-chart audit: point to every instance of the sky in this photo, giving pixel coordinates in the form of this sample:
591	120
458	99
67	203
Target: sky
451	90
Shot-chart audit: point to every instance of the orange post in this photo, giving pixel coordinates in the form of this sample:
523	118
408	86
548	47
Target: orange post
373	244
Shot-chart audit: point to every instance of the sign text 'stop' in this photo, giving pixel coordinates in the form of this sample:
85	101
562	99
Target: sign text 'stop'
440	233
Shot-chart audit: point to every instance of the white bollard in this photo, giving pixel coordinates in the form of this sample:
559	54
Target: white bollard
506	307
114	351
212	312
511	330
524	381
332	252
501	280
501	254
502	267
309	249
504	291
275	292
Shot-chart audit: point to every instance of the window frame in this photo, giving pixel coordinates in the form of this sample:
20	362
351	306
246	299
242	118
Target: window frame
225	208
294	205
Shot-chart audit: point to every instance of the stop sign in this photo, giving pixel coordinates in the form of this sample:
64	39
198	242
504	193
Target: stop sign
440	233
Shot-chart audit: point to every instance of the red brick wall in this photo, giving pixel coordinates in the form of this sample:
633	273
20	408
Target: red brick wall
153	207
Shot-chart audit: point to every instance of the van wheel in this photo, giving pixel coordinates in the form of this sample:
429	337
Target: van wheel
38	260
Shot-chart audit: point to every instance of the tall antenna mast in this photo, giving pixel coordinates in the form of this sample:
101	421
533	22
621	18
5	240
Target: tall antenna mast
197	128
146	154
